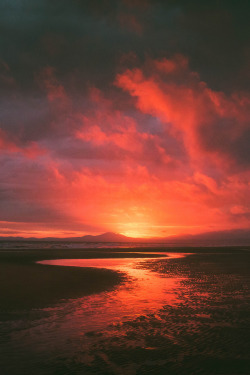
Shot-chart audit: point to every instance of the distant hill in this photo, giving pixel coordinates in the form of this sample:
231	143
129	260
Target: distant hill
106	237
219	238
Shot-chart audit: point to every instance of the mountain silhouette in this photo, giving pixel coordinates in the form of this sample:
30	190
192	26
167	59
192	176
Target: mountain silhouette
224	238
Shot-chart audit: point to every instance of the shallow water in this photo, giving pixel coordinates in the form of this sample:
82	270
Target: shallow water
145	291
177	315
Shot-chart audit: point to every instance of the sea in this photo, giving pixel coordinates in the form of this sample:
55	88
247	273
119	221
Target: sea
37	244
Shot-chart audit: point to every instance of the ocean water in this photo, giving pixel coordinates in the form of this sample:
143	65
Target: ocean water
181	314
19	245
36	244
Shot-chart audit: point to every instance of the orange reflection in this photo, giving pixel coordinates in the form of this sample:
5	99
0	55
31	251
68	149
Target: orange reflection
144	291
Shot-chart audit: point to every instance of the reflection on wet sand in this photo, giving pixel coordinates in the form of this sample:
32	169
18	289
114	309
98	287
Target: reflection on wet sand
143	292
70	327
169	316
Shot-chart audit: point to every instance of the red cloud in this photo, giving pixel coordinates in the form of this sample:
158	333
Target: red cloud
208	121
32	150
118	133
117	168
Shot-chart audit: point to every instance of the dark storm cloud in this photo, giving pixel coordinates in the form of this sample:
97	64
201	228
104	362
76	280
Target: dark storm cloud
84	40
25	118
69	35
221	136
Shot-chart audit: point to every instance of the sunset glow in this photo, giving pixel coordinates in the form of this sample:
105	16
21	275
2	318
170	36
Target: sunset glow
144	139
124	187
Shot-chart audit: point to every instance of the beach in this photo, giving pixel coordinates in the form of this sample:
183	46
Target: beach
185	313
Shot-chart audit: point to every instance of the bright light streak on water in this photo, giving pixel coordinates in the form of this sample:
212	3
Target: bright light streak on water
144	291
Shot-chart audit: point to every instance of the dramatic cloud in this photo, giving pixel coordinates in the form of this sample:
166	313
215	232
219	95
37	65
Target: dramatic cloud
131	117
208	121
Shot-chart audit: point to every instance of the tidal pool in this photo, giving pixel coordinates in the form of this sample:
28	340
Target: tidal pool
41	338
144	291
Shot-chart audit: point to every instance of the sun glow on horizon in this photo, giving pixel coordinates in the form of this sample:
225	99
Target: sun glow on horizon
135	234
145	230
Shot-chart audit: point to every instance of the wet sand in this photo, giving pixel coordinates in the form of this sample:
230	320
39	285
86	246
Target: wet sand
25	284
203	330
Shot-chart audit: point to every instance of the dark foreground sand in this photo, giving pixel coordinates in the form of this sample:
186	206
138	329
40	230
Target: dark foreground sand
206	332
24	284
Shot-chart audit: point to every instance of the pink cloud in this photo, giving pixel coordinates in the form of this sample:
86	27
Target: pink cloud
116	168
31	150
209	122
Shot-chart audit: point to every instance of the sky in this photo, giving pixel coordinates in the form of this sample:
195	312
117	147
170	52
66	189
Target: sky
130	116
